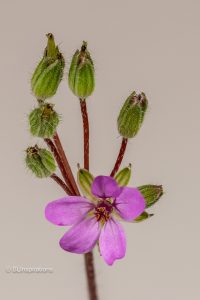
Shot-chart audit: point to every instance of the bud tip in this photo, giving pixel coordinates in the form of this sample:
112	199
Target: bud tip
84	46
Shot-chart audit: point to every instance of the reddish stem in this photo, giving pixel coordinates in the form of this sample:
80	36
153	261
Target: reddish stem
60	164
90	271
65	169
85	132
66	163
59	181
88	257
120	157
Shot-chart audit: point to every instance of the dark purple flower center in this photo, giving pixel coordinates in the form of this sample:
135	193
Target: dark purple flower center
103	211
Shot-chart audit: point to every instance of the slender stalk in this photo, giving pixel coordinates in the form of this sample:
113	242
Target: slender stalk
85	132
66	163
65	169
60	164
120	157
88	257
90	271
59	181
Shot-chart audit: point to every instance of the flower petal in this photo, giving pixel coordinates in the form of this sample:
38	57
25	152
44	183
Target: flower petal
112	241
68	210
105	187
130	203
82	237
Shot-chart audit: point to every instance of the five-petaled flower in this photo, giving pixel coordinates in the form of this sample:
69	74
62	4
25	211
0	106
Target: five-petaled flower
97	220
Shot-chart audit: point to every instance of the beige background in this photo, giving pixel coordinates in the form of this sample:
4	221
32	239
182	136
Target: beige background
152	46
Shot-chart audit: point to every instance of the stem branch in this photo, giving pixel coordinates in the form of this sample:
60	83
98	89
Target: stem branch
60	164
120	157
66	163
59	181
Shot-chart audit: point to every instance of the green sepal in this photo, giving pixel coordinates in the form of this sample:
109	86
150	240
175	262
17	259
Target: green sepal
123	176
43	64
151	193
72	70
85	180
40	161
144	216
47	160
81	73
52	50
48	80
43	121
132	114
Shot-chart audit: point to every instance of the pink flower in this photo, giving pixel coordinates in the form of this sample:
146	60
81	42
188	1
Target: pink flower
97	221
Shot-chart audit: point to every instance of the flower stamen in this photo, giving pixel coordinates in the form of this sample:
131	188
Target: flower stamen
103	211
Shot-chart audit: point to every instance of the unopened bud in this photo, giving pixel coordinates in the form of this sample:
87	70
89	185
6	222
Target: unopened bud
43	121
132	114
49	72
81	73
123	176
151	193
40	161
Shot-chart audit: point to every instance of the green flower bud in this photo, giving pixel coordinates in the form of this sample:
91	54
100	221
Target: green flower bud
151	193
49	72
85	180
132	114
43	121
144	216
123	176
40	161
81	73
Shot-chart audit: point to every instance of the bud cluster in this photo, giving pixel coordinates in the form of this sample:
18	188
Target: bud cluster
94	211
43	120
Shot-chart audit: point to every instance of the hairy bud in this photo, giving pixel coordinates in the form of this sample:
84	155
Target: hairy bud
132	114
49	72
40	161
43	121
81	73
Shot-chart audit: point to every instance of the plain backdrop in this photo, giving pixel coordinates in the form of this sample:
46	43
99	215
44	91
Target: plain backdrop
151	46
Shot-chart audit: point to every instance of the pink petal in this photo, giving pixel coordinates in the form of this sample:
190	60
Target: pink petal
112	241
130	203
68	210
105	187
82	237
